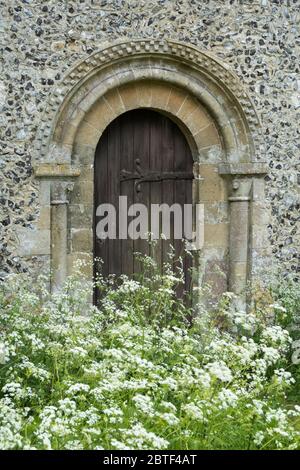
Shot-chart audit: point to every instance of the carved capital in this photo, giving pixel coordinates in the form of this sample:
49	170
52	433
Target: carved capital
240	189
60	191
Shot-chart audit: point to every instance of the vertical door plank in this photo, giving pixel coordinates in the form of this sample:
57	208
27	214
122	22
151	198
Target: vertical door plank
113	183
155	164
167	152
100	181
181	163
188	260
141	152
127	187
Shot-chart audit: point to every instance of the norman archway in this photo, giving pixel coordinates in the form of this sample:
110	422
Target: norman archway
216	115
142	161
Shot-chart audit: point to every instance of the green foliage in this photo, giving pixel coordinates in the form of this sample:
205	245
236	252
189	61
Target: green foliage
135	374
286	293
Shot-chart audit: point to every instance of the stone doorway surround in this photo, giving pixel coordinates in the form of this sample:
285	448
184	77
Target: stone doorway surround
212	108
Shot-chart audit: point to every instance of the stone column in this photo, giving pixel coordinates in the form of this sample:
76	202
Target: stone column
239	237
59	203
197	273
60	179
242	236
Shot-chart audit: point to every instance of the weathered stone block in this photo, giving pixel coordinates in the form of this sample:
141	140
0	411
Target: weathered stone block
190	106
83	192
144	94
160	96
99	116
82	240
129	96
213	187
114	101
216	212
216	234
80	215
83	154
87	134
176	100
208	136
44	218
260	214
33	242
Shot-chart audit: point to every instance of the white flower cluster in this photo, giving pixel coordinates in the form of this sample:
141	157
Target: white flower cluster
284	377
137	437
220	370
227	398
276	336
114	414
144	404
194	411
134	374
129	286
11	420
4	353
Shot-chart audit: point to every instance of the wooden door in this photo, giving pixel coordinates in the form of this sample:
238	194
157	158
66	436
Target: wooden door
142	155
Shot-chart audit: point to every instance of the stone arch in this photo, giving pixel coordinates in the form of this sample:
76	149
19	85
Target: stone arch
204	98
176	64
193	119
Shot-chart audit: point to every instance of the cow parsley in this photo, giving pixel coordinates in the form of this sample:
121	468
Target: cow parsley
143	370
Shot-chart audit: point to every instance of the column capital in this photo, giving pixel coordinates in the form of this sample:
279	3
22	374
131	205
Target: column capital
59	192
240	189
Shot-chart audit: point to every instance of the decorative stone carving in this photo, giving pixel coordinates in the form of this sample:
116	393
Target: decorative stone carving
242	230
239	237
59	178
59	229
207	67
